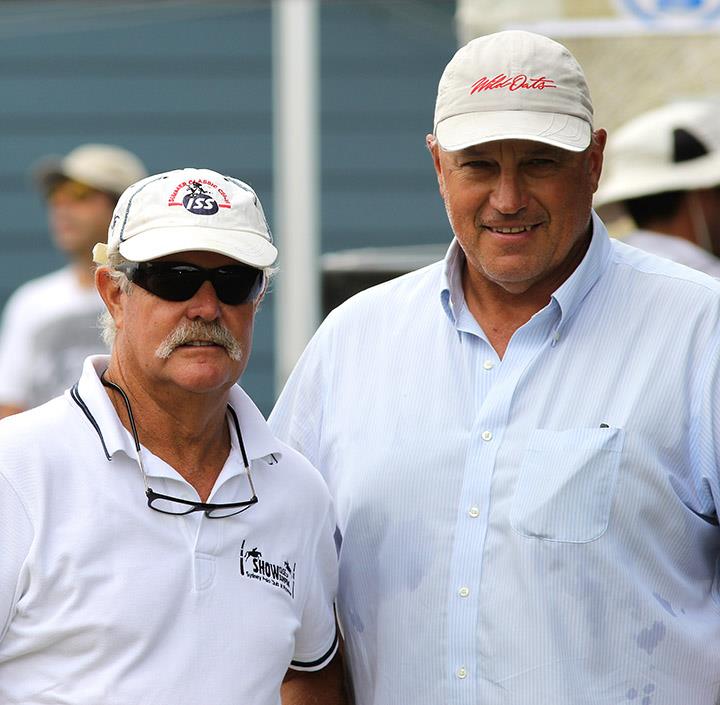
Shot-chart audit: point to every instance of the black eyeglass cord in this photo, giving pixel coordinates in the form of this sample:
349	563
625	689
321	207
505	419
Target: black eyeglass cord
136	439
133	427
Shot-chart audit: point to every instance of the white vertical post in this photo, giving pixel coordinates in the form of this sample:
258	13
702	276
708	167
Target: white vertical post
296	179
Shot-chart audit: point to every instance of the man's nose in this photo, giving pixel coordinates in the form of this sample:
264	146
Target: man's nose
508	194
204	304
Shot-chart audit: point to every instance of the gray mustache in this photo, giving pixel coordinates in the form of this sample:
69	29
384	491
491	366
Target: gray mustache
211	331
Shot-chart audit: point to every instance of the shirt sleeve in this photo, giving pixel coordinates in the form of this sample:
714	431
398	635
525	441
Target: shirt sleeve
317	640
16	536
15	351
704	433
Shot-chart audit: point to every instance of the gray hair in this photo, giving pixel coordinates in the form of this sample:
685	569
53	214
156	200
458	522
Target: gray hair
106	323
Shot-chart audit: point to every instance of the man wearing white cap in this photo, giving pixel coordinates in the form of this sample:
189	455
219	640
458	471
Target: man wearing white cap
49	324
663	169
159	544
522	440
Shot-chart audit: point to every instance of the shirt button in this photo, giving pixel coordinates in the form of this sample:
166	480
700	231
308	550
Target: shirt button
464	591
488	364
473	512
461	672
486	435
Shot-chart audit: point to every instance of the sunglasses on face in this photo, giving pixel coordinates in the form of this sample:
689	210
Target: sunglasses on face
177	281
70	190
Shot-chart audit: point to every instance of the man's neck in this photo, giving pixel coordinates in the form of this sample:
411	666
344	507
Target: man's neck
188	431
500	310
500	313
84	274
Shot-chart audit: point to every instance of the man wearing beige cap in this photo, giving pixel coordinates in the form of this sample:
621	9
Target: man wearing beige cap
522	440
159	544
662	168
50	323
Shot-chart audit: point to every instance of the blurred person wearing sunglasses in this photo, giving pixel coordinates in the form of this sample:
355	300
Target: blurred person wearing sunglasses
159	544
662	169
49	324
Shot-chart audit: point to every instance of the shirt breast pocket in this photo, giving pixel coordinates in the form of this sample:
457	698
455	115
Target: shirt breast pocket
566	484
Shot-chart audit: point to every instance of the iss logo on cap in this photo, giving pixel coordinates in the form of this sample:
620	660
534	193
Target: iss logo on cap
201	197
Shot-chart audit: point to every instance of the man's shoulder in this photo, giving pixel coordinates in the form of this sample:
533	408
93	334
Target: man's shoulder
660	294
393	296
55	283
663	273
32	431
291	468
42	299
297	469
676	249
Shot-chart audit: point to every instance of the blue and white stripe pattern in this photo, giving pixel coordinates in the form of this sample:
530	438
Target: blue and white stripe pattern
538	529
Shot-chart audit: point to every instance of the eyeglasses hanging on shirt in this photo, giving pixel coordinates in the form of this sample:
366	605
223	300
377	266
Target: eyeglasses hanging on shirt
167	504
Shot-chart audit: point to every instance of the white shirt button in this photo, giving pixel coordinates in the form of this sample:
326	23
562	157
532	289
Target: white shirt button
488	364
464	591
461	672
487	435
473	512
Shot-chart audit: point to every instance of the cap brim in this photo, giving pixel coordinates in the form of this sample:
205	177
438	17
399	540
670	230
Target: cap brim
634	179
244	246
469	129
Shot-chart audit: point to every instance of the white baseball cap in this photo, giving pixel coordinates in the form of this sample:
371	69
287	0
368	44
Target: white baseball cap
672	148
105	167
189	209
513	85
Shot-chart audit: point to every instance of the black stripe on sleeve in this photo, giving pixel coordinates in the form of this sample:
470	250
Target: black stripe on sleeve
320	662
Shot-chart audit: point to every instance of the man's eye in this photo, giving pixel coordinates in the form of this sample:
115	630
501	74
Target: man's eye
477	164
541	165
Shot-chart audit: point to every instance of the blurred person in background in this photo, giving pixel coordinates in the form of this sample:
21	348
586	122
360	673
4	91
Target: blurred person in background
49	324
662	168
522	440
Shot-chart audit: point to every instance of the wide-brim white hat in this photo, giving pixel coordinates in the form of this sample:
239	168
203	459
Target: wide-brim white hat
646	155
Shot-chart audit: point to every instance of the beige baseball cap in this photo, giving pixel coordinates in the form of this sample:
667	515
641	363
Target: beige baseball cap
513	85
104	167
189	209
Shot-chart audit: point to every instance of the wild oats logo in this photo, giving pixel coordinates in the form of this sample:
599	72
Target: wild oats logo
256	567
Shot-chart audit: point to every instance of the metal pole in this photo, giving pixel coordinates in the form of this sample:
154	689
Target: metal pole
296	179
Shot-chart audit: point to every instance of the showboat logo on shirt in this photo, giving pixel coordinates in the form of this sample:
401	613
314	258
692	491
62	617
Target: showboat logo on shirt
256	567
200	197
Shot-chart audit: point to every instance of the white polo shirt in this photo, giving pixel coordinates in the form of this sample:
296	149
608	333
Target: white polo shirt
103	600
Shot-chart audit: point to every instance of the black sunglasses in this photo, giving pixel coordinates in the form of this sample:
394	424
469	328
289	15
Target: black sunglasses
178	281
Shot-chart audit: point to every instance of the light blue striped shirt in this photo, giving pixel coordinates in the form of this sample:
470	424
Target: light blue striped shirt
540	529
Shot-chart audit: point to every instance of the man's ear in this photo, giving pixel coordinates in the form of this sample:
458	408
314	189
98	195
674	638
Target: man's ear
434	149
597	149
111	293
